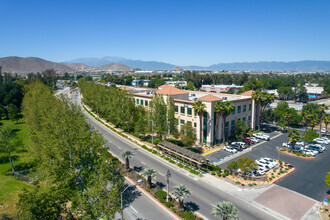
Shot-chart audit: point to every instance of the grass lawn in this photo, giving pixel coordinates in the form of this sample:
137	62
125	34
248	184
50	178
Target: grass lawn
10	187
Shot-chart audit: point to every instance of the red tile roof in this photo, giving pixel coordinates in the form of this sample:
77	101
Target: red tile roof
163	86
209	98
248	92
170	90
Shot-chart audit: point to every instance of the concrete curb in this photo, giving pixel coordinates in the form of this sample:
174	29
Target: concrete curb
154	199
285	175
293	155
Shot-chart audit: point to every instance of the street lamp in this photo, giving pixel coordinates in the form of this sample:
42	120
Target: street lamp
168	175
121	201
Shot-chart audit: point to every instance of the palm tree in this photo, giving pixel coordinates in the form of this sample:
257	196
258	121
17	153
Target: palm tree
307	119
326	120
199	108
127	154
150	174
294	136
181	192
263	99
223	109
323	108
225	210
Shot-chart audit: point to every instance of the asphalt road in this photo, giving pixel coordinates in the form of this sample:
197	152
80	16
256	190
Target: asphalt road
308	178
203	195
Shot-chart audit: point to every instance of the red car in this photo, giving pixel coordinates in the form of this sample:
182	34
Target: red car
248	141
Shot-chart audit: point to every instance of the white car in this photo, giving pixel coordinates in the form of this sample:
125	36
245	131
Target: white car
323	130
320	141
262	136
271	161
254	139
262	170
310	152
265	164
300	143
230	149
243	145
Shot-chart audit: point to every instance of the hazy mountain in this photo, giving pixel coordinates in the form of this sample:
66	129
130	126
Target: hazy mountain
30	64
136	64
307	65
34	64
112	67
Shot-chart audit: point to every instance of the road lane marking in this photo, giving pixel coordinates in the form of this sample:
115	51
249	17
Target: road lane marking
143	163
134	209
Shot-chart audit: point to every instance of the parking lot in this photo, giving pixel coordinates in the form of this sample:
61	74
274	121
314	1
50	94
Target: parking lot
308	178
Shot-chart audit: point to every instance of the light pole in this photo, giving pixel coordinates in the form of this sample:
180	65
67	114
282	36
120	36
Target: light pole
168	175
121	201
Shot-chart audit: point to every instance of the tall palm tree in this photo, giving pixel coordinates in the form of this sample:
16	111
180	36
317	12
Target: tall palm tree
150	174
294	136
199	108
326	120
181	192
127	154
263	99
322	108
225	210
223	109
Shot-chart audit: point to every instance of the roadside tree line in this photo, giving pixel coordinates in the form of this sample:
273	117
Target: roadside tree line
76	177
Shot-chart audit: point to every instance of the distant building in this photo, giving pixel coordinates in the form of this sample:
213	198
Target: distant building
220	88
137	82
174	83
313	91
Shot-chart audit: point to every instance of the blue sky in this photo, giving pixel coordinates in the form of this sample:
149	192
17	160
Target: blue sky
179	32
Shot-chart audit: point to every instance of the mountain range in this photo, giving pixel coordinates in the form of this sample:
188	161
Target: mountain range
15	64
34	64
306	65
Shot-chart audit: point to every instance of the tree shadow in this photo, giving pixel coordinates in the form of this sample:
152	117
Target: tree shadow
138	169
4	159
15	130
192	206
130	195
160	185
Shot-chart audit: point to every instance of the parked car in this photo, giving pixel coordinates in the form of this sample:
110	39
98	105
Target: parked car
248	141
261	171
310	152
262	136
321	141
254	139
324	131
316	147
243	145
237	147
265	163
230	149
269	160
300	143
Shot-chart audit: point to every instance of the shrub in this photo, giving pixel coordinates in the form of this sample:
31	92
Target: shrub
270	179
180	165
212	173
218	173
161	195
154	152
280	162
188	215
283	149
169	204
226	172
250	184
194	172
238	182
172	161
194	150
254	184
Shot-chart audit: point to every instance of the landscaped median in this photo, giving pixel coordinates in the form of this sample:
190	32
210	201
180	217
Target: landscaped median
295	154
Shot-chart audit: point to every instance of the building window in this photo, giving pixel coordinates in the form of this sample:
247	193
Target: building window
233	123
189	111
137	101
182	110
195	124
182	121
233	112
244	119
176	108
250	107
195	114
239	109
249	118
227	124
244	108
146	102
141	102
